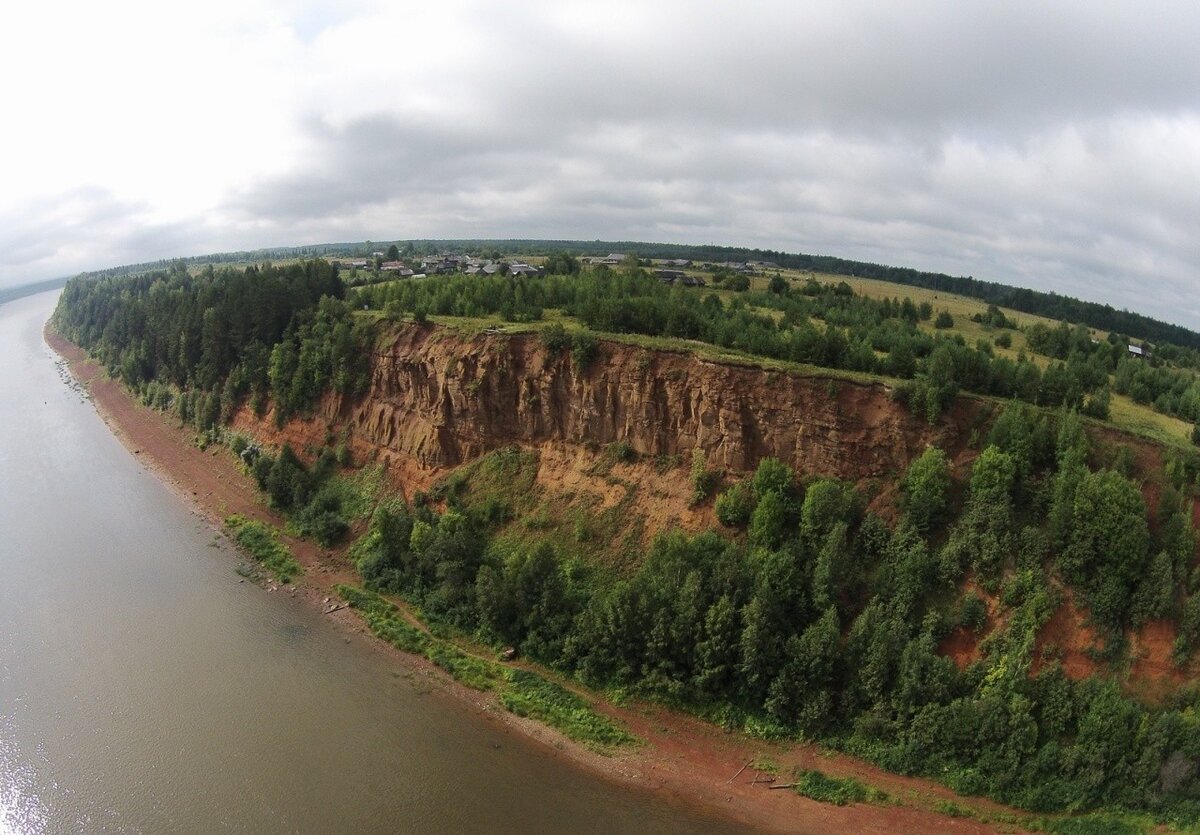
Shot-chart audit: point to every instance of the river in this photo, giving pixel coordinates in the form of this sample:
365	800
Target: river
144	688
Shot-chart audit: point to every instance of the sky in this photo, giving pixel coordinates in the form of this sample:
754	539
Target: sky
1047	145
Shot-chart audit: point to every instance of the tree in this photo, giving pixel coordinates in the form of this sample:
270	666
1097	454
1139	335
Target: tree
734	506
392	254
778	285
944	320
924	488
1106	554
774	476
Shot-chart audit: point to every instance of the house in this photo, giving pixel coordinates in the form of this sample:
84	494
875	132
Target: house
693	281
613	258
522	269
670	276
1141	352
677	262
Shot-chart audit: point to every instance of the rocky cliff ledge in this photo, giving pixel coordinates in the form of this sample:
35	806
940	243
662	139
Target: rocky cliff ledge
438	399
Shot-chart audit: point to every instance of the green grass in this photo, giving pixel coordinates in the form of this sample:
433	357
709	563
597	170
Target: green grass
261	541
528	694
384	619
839	791
476	673
1098	823
523	692
1142	420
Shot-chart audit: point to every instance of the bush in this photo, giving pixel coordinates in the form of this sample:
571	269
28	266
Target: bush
584	349
261	541
944	320
555	337
734	506
836	790
703	479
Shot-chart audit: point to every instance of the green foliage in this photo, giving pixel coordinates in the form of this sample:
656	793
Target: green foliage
773	476
944	320
840	791
384	619
476	673
735	506
704	480
528	694
1107	548
261	542
925	487
769	521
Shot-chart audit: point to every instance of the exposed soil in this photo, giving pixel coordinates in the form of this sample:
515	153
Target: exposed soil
1067	637
1154	672
684	759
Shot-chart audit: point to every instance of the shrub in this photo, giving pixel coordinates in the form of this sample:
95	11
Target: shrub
703	479
734	506
261	541
555	337
836	790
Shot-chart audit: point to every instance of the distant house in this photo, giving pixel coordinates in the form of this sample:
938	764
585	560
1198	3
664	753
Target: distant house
613	258
393	266
1140	351
670	276
693	281
522	269
677	262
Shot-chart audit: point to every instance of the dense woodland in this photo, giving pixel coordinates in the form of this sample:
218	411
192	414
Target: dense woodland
804	615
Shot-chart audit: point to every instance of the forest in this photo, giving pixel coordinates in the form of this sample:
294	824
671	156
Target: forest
805	614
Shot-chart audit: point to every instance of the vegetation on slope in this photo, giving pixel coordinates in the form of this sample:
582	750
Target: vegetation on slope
810	616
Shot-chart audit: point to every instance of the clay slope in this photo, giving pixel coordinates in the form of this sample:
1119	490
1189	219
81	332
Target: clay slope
438	399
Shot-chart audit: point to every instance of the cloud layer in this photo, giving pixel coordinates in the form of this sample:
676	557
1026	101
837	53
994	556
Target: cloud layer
1052	147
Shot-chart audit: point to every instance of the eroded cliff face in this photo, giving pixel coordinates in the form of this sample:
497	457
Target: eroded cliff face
438	399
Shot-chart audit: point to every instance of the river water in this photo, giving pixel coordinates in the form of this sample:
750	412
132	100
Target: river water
143	688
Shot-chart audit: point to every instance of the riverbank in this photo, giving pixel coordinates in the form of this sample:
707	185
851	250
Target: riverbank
683	760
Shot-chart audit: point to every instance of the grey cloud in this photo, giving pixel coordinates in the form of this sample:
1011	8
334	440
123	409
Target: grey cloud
1052	146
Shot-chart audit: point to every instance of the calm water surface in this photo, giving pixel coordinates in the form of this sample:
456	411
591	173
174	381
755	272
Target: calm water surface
144	689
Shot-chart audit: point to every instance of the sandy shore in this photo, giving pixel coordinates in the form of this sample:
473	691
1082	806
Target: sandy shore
684	760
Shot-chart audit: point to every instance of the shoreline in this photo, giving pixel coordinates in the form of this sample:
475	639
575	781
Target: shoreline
683	760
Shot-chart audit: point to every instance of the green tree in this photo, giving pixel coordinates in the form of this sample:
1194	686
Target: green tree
735	505
924	488
1106	554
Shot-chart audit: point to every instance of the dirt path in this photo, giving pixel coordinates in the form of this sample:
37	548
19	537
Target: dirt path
684	759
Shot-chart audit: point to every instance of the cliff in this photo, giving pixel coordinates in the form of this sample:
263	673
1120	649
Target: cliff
438	399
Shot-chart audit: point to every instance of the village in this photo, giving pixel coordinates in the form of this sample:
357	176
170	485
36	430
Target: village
387	266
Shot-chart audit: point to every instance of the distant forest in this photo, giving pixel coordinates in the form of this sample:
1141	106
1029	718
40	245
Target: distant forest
8	294
1050	305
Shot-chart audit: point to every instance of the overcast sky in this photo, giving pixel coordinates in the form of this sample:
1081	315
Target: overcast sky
1053	145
